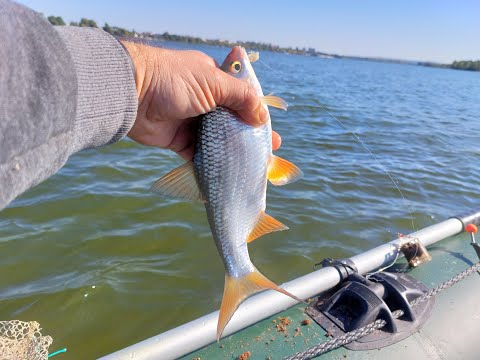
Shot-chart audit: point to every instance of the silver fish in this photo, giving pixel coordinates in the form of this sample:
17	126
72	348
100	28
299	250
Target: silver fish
229	173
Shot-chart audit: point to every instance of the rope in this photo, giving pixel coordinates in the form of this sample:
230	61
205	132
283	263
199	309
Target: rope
377	324
447	284
57	352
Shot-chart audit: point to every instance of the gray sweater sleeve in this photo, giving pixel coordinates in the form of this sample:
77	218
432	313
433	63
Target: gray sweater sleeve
62	90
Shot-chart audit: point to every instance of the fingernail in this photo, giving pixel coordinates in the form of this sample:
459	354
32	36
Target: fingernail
258	117
262	115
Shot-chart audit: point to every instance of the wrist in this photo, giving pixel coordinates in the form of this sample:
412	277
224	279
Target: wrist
142	71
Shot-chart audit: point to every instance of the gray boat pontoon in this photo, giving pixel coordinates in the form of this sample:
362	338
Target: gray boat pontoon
273	326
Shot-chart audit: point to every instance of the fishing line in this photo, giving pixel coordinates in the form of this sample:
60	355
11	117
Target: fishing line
268	67
384	169
398	251
379	164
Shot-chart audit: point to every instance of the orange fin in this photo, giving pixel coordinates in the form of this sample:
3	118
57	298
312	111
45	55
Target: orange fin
274	101
265	224
237	290
281	171
180	183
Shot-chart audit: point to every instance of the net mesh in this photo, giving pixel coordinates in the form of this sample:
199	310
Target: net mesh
20	340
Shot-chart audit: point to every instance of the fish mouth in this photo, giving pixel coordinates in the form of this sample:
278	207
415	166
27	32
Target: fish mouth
238	52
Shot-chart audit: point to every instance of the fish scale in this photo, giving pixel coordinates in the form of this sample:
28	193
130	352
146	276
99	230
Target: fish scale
234	185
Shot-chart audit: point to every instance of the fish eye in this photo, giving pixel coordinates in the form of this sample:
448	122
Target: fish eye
236	67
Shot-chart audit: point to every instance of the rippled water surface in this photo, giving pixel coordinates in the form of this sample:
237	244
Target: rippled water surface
102	263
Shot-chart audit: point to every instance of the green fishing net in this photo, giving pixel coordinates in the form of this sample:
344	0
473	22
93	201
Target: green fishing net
21	340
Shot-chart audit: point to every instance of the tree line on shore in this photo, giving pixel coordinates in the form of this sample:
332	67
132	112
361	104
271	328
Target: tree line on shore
466	65
121	32
470	65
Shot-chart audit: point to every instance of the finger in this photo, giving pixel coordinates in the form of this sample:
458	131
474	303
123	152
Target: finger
276	140
184	140
240	97
187	153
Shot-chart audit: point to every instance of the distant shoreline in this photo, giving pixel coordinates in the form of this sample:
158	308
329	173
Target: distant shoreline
468	65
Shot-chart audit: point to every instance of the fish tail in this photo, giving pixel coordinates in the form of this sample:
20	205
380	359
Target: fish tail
238	289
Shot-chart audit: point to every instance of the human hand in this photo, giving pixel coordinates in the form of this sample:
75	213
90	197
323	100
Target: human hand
174	87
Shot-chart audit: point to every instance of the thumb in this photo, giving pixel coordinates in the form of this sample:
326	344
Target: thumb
239	96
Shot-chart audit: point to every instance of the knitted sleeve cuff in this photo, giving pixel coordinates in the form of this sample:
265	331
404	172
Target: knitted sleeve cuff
106	92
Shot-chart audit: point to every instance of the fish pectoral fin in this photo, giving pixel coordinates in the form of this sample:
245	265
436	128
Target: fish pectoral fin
274	101
238	289
281	171
179	183
265	224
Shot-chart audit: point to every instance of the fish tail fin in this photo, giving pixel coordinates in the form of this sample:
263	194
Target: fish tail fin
238	289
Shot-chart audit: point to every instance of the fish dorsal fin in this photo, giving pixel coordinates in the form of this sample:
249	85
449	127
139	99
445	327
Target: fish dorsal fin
179	183
265	224
281	171
274	101
238	289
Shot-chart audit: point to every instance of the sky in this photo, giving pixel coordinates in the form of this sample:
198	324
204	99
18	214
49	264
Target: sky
426	30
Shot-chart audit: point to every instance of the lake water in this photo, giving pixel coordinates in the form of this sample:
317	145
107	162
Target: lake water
102	263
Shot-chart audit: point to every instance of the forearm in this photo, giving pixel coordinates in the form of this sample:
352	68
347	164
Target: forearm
61	90
106	92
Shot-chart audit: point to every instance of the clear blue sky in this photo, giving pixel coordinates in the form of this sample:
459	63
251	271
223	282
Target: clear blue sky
435	30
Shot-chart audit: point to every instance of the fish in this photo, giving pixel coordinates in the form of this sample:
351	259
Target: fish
229	172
